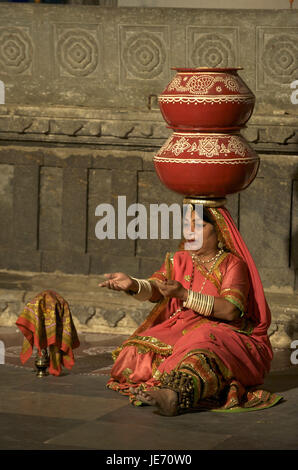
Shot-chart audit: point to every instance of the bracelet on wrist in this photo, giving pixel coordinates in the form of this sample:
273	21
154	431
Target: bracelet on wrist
144	290
200	303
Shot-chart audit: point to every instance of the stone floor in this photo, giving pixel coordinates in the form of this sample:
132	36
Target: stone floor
76	411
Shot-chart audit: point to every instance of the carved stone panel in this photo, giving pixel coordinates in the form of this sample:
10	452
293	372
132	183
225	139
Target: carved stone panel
6	205
16	50
294	231
143	53
212	46
103	189
50	208
77	50
152	192
277	57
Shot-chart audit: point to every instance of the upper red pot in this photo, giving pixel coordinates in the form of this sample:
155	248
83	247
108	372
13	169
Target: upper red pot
205	99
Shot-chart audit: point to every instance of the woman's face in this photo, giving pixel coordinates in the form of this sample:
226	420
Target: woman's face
209	234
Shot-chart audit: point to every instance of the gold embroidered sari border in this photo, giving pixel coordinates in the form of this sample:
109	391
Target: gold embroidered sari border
223	230
236	302
225	371
235	290
146	344
215	276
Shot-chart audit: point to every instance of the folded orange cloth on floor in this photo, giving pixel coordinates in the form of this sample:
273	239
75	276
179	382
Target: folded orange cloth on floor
46	322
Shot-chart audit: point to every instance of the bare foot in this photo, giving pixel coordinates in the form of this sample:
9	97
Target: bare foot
141	395
164	399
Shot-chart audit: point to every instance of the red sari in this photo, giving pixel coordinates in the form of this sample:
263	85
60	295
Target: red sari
225	359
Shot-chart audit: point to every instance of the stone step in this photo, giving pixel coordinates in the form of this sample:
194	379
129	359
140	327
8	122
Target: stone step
93	308
101	310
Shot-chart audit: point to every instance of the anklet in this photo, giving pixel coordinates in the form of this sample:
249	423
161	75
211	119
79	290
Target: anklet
182	384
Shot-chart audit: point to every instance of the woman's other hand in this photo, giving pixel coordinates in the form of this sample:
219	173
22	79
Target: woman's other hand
171	288
120	282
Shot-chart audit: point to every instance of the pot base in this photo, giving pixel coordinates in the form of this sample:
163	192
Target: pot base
205	201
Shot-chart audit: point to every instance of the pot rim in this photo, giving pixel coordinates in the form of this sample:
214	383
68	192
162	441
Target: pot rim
206	69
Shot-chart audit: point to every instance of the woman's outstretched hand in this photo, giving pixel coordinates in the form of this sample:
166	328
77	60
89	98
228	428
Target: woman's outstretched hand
170	288
119	281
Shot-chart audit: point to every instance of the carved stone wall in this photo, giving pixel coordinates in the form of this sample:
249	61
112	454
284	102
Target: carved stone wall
81	124
101	57
49	196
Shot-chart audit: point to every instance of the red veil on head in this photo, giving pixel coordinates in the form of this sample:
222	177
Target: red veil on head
258	308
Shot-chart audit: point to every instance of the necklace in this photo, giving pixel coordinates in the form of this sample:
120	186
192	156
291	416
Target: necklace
214	259
196	257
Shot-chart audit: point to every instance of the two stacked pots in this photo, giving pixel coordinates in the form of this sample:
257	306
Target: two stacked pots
206	156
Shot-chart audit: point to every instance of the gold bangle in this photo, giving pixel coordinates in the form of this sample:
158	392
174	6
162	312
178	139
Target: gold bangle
144	289
200	303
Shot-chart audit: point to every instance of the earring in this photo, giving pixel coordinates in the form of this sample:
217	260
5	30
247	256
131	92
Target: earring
220	245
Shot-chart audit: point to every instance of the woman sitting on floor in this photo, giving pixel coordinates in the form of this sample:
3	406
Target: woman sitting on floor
205	343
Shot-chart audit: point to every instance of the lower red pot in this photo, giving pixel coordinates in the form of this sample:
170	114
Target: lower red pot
206	164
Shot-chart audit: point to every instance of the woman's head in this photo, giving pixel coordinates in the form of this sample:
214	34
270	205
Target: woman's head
203	220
